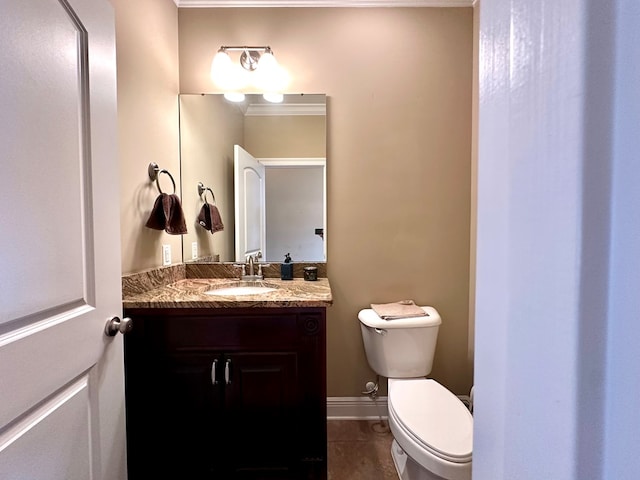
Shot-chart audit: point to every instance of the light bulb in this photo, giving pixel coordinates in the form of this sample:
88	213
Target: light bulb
239	77
270	76
221	70
234	96
267	62
273	97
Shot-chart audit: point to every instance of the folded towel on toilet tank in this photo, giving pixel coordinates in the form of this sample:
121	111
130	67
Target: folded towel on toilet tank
400	309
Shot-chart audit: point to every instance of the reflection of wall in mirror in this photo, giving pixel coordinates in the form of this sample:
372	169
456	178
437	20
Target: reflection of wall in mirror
295	195
209	127
292	136
294	211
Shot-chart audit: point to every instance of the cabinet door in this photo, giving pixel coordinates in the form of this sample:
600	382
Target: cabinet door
193	391
262	415
176	431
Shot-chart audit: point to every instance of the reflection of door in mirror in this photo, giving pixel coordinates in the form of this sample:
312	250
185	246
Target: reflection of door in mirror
249	185
289	195
290	134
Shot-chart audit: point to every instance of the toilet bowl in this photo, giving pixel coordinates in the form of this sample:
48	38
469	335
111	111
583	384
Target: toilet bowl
432	428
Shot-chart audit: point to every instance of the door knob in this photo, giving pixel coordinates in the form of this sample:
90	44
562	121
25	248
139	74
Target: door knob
115	325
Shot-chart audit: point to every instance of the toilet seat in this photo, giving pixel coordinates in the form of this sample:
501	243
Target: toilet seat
432	417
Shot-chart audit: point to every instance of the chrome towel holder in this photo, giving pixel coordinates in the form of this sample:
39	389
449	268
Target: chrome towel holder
202	191
155	171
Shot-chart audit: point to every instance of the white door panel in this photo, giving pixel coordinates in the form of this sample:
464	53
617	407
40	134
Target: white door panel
63	417
62	395
42	369
40	151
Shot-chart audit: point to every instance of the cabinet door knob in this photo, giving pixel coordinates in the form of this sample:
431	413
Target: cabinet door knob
227	368
214	380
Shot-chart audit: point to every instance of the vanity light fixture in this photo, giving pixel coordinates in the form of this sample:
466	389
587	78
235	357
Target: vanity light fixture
257	67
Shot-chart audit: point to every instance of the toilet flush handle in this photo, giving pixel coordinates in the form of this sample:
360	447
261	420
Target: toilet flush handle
380	331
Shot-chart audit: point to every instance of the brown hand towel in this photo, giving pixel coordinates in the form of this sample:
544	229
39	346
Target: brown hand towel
176	224
157	219
209	218
395	310
167	215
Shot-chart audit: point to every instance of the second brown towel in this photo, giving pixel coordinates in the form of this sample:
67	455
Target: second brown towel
209	218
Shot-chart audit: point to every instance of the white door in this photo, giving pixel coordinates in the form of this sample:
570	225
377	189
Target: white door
249	178
61	378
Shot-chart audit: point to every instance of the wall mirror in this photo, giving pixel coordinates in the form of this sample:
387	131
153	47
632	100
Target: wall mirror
287	141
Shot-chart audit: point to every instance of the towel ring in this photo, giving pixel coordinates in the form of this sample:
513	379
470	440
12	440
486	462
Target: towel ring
154	172
203	190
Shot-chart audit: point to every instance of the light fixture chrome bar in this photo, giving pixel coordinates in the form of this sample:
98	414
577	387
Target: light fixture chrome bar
238	48
250	55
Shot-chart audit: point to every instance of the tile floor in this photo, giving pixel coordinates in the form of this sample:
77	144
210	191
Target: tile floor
359	450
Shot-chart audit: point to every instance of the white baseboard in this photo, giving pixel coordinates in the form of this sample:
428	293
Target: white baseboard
356	408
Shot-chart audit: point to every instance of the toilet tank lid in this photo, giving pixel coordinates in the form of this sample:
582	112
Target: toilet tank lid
371	319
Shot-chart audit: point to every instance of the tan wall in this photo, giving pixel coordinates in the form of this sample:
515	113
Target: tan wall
147	62
399	86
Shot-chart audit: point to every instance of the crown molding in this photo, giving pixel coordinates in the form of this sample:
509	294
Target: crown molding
321	3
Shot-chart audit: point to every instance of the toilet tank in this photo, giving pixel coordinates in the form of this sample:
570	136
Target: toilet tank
400	348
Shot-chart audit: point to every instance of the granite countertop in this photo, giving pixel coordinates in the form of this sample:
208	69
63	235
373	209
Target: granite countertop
190	293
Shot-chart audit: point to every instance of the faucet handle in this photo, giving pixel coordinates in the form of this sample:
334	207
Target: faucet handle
260	265
253	258
242	266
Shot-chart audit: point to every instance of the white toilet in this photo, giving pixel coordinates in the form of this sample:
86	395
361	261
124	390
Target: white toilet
432	428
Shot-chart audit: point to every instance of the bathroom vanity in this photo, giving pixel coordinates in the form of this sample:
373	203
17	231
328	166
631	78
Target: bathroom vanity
224	387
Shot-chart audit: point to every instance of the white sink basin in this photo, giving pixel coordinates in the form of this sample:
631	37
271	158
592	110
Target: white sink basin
242	289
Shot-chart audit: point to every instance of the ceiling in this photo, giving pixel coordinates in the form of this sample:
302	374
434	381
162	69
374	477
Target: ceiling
323	3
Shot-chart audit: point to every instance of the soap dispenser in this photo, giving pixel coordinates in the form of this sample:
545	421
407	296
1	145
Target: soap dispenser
286	268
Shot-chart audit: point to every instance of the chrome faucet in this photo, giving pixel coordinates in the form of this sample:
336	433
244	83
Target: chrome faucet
250	266
250	263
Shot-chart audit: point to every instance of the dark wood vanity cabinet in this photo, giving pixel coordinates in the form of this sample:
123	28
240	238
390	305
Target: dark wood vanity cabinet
226	393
